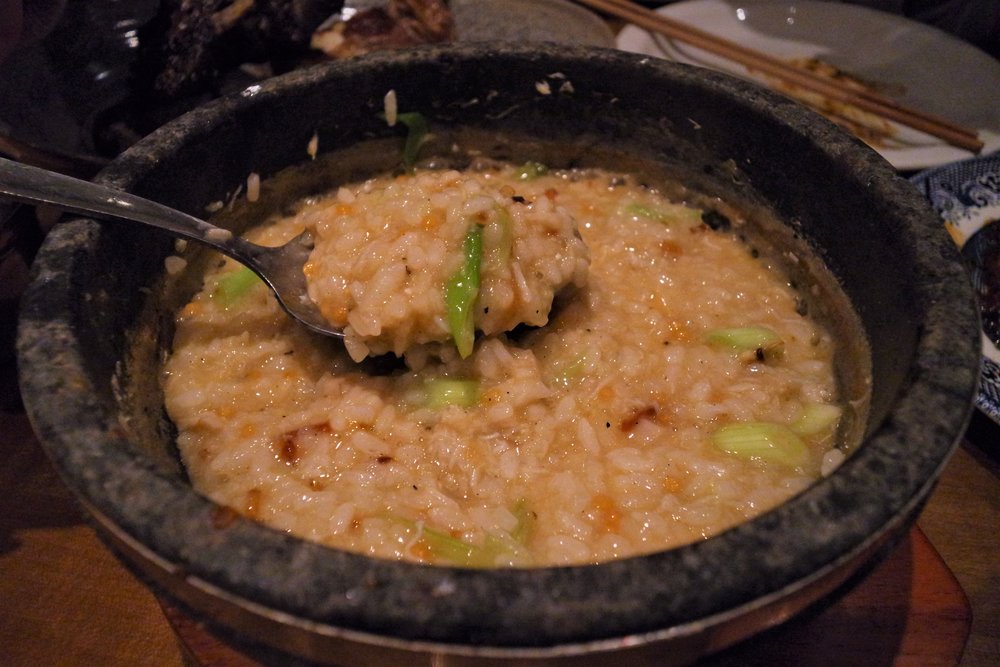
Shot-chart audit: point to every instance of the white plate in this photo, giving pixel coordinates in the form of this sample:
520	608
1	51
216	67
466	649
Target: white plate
966	194
916	64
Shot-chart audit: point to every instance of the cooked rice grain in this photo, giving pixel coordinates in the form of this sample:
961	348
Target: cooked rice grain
588	439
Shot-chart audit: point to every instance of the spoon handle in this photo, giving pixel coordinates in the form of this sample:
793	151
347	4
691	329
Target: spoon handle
39	186
280	267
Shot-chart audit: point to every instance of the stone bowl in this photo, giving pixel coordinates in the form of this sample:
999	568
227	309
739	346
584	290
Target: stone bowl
89	354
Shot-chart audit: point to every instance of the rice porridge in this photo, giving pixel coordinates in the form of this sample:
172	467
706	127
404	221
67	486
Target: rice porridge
385	248
678	387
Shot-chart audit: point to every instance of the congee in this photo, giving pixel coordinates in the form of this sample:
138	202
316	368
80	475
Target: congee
436	256
644	373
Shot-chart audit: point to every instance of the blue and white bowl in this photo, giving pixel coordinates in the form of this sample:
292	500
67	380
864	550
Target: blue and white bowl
966	195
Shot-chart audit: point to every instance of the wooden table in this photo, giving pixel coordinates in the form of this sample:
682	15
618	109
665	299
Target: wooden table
65	600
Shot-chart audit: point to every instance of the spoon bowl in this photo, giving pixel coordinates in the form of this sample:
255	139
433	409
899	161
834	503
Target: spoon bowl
279	267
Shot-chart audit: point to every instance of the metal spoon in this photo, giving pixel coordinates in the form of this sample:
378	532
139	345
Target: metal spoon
280	268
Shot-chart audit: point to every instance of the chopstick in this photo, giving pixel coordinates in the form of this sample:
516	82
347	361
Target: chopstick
82	166
866	100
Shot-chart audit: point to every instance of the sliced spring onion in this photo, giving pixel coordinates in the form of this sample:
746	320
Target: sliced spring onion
526	520
442	392
461	291
529	171
416	133
774	443
678	214
817	418
235	285
441	546
745	339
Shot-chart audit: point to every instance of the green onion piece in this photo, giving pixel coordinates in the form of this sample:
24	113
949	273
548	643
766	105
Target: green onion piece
416	126
461	291
526	520
443	547
529	171
234	285
676	214
774	443
745	339
442	392
816	418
